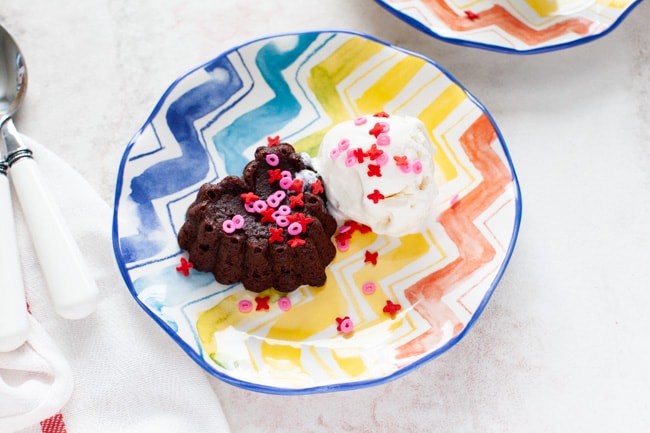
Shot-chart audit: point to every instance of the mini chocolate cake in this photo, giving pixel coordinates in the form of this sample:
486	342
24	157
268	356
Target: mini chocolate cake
268	228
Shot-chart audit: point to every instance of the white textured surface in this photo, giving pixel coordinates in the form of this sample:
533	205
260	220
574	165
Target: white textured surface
563	344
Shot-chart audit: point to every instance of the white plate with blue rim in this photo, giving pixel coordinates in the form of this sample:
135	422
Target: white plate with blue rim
296	86
513	26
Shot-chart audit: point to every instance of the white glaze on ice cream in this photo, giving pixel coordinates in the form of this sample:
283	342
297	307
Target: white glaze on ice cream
379	171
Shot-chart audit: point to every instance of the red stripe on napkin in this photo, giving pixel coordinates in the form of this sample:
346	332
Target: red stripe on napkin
53	424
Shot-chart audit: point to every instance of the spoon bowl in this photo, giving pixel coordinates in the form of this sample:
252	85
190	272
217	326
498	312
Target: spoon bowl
13	85
73	291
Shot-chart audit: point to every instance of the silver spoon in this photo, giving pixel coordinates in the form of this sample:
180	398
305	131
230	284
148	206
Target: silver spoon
14	322
72	290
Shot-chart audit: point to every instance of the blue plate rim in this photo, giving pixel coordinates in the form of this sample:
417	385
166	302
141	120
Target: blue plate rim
342	386
502	49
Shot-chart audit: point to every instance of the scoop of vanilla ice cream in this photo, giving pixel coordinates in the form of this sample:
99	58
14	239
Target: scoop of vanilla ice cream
378	170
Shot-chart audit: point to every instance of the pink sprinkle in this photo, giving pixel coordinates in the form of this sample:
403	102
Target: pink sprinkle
259	206
360	120
228	226
345	325
284	303
343	245
369	288
249	207
285	173
406	168
245	306
335	153
272	159
350	161
417	167
238	221
344	144
276	198
284	209
286	182
294	228
382	159
344	228
454	200
282	220
385	127
383	139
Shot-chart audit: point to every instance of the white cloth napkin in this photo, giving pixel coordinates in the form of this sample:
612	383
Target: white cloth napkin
128	375
35	381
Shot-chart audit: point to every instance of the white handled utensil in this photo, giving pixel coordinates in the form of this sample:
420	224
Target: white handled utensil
72	289
14	323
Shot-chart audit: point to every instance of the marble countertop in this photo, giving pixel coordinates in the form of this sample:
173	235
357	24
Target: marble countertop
562	345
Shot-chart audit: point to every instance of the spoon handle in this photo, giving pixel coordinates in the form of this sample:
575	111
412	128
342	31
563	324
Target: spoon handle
14	323
72	288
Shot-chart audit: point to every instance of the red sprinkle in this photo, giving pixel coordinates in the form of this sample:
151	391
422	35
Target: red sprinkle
275	174
267	215
371	257
381	114
276	235
248	197
296	185
401	161
359	154
363	229
302	220
375	196
374	153
354	226
471	15
296	242
376	130
317	187
262	303
345	233
273	141
374	170
343	236
184	267
296	200
391	308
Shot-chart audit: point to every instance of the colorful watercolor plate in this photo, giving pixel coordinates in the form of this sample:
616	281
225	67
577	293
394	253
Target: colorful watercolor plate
513	26
296	86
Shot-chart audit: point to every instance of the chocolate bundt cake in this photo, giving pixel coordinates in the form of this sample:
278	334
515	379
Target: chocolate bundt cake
268	228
